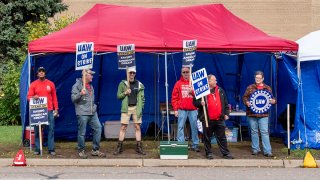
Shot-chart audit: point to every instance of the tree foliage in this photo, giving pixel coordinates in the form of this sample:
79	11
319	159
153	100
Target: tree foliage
13	16
13	51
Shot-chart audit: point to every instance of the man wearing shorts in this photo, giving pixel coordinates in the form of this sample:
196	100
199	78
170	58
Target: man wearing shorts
132	96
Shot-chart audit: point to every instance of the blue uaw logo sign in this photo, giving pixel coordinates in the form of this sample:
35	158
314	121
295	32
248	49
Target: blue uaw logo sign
260	101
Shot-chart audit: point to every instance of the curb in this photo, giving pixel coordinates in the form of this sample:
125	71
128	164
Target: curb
213	163
274	163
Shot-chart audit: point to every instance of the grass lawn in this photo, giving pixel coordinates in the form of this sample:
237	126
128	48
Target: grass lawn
10	136
10	143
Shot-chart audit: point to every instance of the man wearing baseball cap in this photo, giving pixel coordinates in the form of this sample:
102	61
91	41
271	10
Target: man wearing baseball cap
43	87
132	96
82	96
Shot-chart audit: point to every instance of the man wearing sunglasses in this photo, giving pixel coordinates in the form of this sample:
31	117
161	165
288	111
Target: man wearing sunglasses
182	104
132	105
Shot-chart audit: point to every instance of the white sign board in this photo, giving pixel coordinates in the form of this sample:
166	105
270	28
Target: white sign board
200	83
38	111
84	56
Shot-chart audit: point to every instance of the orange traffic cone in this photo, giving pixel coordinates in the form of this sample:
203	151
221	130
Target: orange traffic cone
20	159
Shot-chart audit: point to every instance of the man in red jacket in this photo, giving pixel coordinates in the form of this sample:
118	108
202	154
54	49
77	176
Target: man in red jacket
43	87
217	112
181	100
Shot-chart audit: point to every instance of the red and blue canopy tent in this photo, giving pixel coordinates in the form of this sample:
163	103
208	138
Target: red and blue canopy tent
157	34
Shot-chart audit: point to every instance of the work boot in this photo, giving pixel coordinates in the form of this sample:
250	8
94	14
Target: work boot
119	148
139	149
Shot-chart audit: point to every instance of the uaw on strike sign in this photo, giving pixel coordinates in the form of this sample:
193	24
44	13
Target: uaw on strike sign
200	83
260	101
38	111
84	56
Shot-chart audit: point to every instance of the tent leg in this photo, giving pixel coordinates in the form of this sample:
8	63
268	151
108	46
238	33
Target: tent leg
166	84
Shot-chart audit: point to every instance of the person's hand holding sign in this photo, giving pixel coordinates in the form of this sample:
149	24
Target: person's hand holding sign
248	103
176	113
190	89
127	92
203	103
272	101
83	92
35	97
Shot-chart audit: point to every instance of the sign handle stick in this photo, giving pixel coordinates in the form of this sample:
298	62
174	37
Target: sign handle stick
205	113
40	138
190	82
84	80
128	77
30	136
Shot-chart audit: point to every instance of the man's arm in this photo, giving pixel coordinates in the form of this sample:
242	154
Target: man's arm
75	94
54	97
245	97
122	89
175	99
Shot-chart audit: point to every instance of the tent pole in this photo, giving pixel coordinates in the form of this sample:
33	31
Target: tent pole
298	68
29	68
166	84
288	128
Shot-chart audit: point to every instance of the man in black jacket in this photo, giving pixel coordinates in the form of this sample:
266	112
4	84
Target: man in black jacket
217	112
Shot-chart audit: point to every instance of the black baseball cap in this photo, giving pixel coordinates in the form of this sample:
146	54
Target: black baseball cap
41	69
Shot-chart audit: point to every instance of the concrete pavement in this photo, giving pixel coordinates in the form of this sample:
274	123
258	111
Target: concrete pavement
280	163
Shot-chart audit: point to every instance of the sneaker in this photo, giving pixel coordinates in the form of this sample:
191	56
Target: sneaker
36	153
52	153
255	153
228	156
210	156
83	155
97	153
196	149
269	155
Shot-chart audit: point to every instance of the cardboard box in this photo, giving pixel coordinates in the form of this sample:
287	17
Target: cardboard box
173	150
231	135
112	129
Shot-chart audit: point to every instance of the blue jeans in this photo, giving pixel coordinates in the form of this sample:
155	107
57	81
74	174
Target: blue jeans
95	125
261	124
50	129
182	117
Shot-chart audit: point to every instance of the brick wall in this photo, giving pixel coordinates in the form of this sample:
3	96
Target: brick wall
289	19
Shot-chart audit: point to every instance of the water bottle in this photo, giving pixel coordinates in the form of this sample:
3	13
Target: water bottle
237	107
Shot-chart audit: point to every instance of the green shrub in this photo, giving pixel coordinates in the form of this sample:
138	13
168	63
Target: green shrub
9	99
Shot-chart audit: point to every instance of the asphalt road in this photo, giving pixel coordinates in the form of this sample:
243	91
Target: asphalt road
67	172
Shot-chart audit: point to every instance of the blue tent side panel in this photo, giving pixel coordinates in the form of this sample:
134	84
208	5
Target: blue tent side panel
307	122
306	132
23	92
287	91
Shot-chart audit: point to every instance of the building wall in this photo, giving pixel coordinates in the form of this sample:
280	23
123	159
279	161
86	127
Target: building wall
289	19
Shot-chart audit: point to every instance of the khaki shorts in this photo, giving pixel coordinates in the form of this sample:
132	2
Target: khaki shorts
125	117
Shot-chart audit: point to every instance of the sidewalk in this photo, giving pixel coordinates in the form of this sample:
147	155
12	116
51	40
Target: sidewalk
278	163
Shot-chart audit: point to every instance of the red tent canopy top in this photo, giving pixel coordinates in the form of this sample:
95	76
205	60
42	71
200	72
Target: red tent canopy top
161	30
